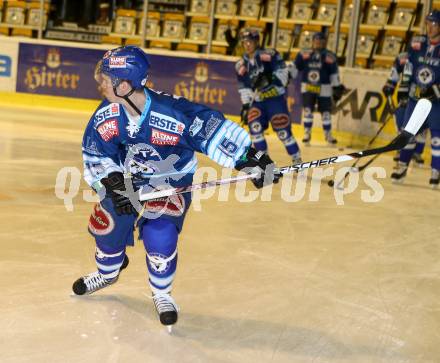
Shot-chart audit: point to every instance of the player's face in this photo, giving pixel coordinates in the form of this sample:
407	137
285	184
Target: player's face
105	86
249	46
318	43
432	29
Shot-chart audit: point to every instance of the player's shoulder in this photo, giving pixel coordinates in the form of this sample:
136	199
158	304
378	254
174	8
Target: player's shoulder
402	58
417	42
306	53
267	54
240	66
105	111
329	57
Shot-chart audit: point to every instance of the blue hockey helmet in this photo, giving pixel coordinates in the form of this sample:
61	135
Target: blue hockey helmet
319	35
249	34
128	63
434	16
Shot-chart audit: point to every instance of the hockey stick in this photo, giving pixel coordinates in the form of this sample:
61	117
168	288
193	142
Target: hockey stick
416	121
331	183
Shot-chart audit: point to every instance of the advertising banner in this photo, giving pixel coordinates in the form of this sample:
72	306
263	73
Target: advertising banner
68	72
363	108
8	65
57	71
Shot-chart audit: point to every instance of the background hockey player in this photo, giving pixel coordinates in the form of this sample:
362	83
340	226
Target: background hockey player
420	79
153	136
399	114
262	79
320	82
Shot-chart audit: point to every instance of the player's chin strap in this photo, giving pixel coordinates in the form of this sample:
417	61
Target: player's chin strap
126	98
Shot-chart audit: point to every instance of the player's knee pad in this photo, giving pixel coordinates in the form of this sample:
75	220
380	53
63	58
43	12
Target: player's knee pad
162	270
286	137
109	260
255	127
160	240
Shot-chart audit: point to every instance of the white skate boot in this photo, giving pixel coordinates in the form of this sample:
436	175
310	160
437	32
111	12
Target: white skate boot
166	308
307	136
94	281
399	175
296	158
330	139
435	178
418	160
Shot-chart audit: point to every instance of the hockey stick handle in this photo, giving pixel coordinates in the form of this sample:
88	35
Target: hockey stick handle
415	122
399	142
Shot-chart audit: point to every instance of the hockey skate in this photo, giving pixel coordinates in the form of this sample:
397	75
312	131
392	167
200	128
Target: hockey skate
418	160
399	175
94	281
296	158
166	308
307	137
330	139
435	178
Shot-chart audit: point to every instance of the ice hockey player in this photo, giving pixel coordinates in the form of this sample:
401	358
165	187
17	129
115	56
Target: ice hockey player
153	137
399	114
262	79
420	79
319	84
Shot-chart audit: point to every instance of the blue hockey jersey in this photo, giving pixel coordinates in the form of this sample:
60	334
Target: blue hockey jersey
422	70
319	71
397	69
262	77
161	143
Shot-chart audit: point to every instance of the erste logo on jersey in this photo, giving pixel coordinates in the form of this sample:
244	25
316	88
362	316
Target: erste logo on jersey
163	138
111	110
108	129
166	123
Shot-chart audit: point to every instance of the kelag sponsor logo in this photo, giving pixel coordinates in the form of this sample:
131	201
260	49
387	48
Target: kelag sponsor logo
163	138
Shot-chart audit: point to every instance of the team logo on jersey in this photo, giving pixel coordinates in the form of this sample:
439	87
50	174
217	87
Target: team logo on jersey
228	147
163	138
196	126
425	76
101	222
117	62
132	128
313	77
108	129
111	110
166	123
